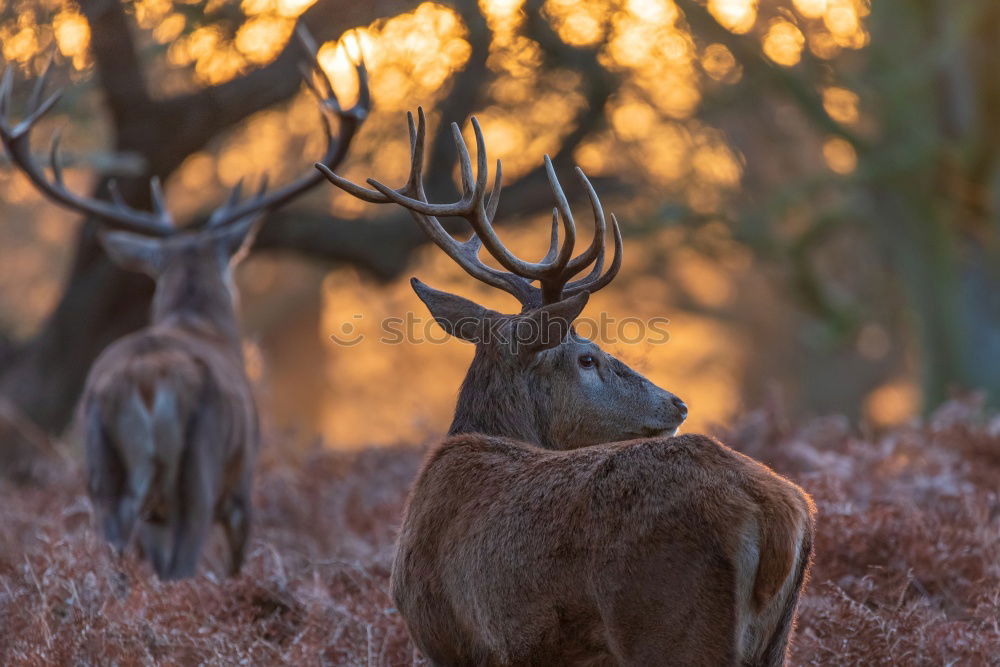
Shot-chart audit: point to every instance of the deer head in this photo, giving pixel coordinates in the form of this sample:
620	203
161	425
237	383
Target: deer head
532	377
192	266
193	270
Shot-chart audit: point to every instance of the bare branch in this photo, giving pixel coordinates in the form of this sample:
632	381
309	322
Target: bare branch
213	109
746	49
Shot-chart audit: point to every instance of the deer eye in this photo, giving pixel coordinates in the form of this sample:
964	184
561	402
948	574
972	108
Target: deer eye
587	361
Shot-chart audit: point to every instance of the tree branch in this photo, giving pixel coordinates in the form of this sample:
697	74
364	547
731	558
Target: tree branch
465	95
746	50
213	109
599	83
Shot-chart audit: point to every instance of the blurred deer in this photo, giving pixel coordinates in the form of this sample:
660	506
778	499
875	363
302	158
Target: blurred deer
561	522
170	421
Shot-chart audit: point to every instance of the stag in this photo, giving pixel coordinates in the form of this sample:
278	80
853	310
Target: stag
562	521
170	421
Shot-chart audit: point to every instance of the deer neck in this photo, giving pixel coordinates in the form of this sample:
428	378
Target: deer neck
198	306
495	399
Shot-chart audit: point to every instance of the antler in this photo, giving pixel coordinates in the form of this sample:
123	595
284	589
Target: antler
159	222
553	272
17	141
349	120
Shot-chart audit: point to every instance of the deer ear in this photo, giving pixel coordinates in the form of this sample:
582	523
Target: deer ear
458	316
133	252
548	326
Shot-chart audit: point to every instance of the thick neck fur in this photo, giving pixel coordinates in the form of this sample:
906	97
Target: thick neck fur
195	297
496	399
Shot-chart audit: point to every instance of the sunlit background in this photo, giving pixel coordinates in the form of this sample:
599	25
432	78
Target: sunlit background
705	156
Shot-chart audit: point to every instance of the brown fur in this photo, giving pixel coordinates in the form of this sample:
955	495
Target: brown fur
171	424
625	553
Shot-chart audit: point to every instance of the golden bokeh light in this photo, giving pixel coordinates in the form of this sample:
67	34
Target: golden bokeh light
720	64
840	155
578	23
169	28
843	19
149	13
783	42
738	16
715	163
811	8
72	34
892	403
841	104
293	8
261	37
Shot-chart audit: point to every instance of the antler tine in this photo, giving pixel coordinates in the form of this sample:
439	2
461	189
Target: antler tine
57	173
415	181
591	283
306	72
413	186
474	189
411	196
494	201
596	248
6	84
364	90
562	206
223	214
311	62
306	40
557	286
116	193
40	82
349	120
158	198
554	240
470	207
17	141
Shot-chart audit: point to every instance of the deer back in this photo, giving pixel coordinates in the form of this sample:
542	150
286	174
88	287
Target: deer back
628	552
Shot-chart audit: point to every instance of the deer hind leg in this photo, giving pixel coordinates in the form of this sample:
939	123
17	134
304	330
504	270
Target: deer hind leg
192	513
774	652
106	479
156	539
131	441
236	522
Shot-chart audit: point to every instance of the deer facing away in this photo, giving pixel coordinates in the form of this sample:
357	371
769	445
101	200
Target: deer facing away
562	522
170	422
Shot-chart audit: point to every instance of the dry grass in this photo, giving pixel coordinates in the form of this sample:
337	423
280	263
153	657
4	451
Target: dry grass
907	567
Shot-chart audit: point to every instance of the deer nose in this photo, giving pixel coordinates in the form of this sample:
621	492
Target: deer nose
682	408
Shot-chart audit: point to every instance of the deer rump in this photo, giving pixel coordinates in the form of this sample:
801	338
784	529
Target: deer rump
171	436
647	552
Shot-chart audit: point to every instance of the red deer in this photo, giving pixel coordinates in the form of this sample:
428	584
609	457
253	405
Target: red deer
562	521
170	422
